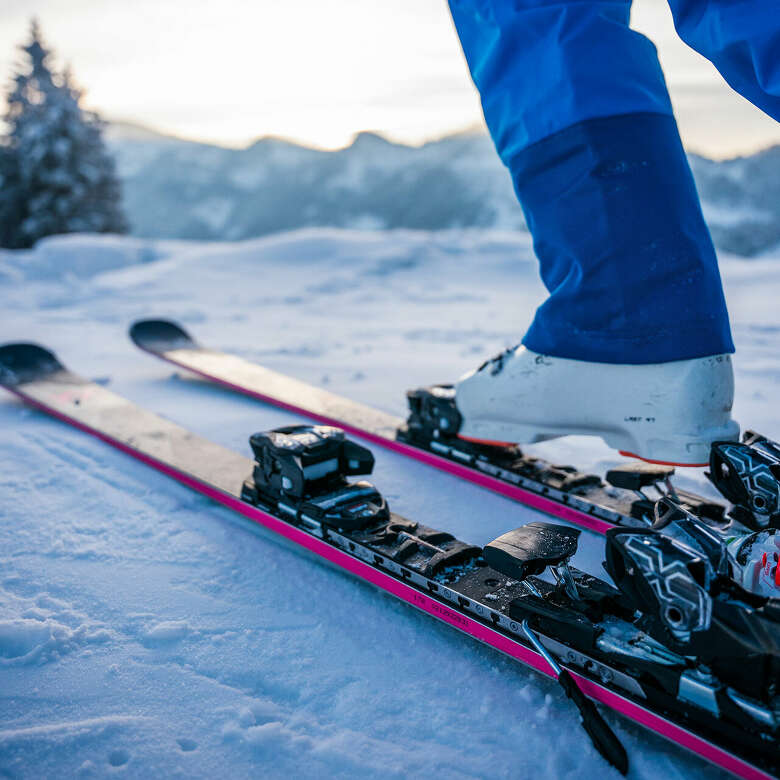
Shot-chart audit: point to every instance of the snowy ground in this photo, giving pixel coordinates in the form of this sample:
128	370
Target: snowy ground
145	632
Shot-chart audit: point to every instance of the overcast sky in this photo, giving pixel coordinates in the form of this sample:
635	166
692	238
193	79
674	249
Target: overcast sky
317	71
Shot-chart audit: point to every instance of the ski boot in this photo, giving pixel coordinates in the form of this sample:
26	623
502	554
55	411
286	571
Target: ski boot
665	413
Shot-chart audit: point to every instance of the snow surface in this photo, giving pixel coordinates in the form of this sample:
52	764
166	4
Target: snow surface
146	632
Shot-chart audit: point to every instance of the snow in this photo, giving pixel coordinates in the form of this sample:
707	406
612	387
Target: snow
145	631
214	212
729	216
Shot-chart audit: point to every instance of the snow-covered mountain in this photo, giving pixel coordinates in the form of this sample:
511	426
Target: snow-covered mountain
741	199
181	189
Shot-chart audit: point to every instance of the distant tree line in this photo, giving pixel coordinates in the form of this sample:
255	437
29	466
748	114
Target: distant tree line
56	175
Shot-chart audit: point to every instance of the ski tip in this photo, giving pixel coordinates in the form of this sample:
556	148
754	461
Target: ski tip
160	336
22	362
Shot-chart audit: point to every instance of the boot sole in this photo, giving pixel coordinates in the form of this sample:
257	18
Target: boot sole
619	440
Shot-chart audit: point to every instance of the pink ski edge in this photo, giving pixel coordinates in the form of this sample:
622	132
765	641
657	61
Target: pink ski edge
525	497
656	723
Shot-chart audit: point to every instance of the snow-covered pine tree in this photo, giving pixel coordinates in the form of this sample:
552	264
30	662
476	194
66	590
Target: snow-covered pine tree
10	197
58	176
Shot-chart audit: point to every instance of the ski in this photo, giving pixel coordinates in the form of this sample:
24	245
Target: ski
624	498
678	646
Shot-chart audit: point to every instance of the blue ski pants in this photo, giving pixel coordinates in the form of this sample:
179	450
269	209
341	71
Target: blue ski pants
578	109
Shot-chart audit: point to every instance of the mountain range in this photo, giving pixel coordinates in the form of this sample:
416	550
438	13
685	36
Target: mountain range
175	188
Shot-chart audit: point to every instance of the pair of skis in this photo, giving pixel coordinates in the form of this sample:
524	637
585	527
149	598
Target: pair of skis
426	568
745	473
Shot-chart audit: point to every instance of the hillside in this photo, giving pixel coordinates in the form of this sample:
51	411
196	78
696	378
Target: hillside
181	189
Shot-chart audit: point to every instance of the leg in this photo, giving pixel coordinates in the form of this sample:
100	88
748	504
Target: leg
577	106
630	343
741	40
622	244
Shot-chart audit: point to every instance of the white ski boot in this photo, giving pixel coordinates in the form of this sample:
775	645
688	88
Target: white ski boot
660	412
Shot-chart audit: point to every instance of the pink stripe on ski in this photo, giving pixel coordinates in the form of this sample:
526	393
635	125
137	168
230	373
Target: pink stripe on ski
526	497
467	625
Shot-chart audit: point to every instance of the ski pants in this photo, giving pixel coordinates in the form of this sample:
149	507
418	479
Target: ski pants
578	109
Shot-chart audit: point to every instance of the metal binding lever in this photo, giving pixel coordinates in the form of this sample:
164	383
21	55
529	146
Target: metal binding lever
531	548
637	475
601	735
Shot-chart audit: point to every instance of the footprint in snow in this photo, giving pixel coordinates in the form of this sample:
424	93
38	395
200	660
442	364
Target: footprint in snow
118	757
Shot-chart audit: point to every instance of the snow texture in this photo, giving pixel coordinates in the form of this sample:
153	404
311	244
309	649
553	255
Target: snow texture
147	632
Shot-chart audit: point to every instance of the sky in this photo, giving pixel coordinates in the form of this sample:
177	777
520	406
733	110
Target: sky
317	72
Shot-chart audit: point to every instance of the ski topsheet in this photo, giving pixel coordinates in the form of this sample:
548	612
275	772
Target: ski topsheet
557	491
36	376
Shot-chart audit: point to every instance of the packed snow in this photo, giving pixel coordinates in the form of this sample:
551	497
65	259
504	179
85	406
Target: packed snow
147	632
